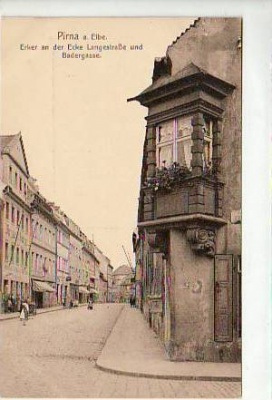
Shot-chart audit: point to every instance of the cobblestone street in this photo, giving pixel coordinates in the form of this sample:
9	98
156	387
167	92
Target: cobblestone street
54	356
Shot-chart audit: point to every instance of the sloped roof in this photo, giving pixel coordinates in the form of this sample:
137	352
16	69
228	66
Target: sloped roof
8	141
123	270
5	141
186	74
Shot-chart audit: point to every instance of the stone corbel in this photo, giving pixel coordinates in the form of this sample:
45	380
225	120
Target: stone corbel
157	241
202	240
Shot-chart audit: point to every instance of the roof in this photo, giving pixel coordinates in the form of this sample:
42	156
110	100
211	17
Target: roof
167	84
165	81
7	141
123	270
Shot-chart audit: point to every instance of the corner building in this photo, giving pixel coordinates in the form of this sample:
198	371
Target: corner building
189	216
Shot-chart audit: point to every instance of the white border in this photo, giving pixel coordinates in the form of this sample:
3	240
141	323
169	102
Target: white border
257	96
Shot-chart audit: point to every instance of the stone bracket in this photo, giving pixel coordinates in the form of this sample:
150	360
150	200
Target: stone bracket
157	241
202	240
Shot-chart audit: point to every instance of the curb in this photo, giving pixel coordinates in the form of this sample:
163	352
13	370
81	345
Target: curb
39	313
169	377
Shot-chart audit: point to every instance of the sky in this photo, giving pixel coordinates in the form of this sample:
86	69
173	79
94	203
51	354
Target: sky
83	140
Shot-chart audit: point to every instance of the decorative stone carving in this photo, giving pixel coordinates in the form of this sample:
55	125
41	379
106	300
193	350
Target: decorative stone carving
157	241
202	240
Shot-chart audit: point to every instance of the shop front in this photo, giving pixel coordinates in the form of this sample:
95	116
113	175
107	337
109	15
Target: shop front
43	293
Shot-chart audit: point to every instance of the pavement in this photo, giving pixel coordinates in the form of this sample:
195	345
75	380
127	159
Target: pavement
133	349
15	315
137	351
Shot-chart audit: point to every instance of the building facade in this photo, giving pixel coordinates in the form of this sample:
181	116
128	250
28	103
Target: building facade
104	264
122	284
90	265
43	251
188	245
44	255
15	225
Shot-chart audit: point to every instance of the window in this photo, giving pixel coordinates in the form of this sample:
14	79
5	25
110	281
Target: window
41	232
208	142
10	175
6	251
7	210
22	257
26	224
16	180
12	253
18	217
174	142
17	256
12	214
21	184
25	188
26	259
23	221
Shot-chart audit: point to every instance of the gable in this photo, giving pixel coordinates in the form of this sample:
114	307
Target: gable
15	149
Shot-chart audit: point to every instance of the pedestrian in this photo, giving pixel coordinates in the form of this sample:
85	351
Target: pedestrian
90	304
9	305
24	312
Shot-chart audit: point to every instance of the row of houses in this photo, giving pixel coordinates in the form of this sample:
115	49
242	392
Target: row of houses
44	255
188	240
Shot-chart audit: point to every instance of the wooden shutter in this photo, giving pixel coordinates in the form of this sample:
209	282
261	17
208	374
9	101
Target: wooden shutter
223	316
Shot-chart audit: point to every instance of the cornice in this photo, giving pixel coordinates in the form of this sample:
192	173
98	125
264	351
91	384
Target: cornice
182	220
8	191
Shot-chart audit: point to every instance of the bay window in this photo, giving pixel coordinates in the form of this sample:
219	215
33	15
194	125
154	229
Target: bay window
174	142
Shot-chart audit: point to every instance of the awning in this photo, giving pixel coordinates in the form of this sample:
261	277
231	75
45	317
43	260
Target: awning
93	291
82	289
39	286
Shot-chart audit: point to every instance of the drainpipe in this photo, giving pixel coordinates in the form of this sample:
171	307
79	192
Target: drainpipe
165	302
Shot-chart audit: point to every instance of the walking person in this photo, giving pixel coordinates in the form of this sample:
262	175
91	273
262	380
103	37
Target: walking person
9	305
24	312
90	304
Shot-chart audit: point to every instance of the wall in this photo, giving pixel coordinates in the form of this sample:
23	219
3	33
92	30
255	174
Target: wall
192	288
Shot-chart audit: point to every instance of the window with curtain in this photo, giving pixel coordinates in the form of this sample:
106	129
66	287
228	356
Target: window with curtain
174	142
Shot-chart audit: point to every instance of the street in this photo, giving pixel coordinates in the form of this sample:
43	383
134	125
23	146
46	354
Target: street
54	356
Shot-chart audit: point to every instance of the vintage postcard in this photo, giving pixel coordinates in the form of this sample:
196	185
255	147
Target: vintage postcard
121	207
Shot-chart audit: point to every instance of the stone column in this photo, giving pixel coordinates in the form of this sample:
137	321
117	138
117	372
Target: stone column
151	151
148	198
217	148
197	148
216	166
